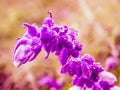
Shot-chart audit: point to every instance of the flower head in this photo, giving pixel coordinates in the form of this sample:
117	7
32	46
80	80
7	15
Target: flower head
62	41
28	46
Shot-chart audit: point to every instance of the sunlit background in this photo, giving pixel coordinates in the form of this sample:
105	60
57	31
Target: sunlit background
98	26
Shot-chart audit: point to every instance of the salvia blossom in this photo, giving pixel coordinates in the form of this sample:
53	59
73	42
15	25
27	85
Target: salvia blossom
58	39
63	42
28	46
88	74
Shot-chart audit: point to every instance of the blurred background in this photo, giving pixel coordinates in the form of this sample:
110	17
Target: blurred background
98	26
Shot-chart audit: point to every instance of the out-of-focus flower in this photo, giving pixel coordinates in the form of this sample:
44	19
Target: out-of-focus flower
3	78
110	63
49	82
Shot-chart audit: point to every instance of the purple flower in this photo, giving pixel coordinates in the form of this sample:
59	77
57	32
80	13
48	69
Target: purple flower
96	87
46	34
73	68
79	81
78	70
105	85
32	30
62	41
88	59
111	63
84	70
49	21
48	40
64	56
28	46
78	46
74	53
65	42
50	82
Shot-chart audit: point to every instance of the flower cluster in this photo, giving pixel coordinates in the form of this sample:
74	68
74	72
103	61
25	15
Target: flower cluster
59	39
88	74
62	41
